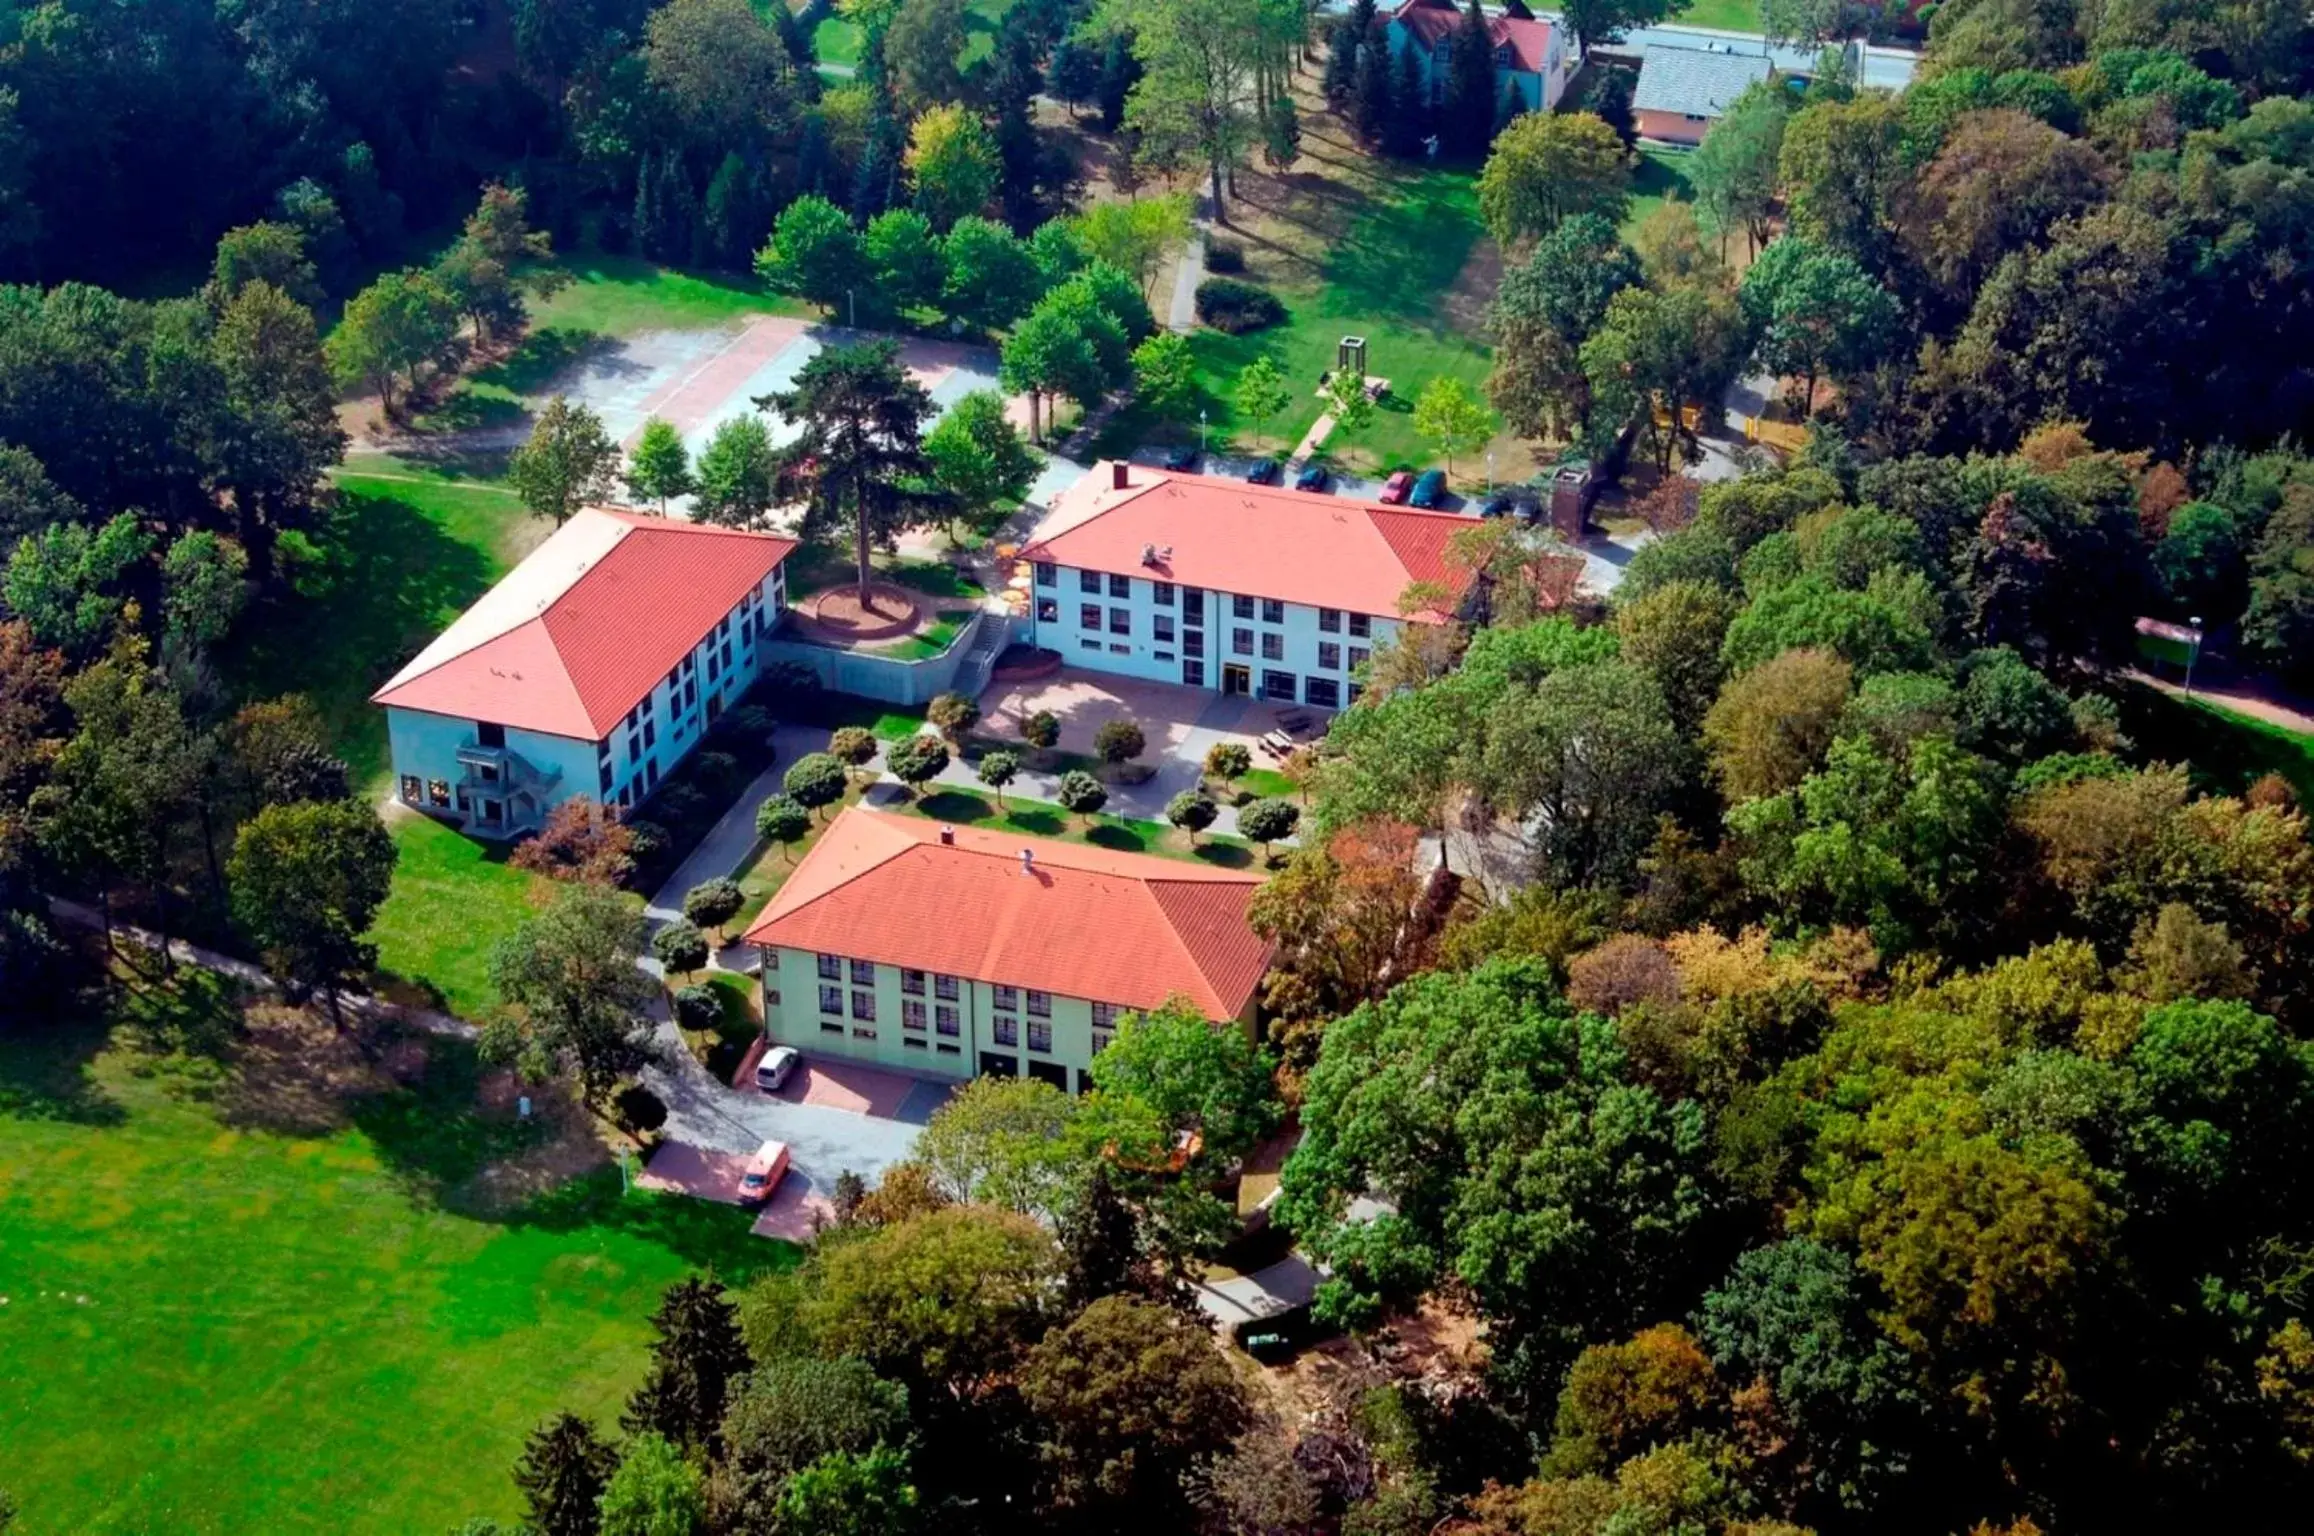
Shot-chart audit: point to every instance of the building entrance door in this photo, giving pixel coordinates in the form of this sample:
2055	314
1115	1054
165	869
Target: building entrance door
1236	679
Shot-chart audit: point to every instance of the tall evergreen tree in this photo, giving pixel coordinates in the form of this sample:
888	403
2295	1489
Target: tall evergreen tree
861	447
876	184
561	1474
1370	90
1467	116
1409	121
1120	71
694	1361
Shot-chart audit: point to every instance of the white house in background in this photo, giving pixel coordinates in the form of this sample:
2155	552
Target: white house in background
1245	589
1531	55
1682	91
592	669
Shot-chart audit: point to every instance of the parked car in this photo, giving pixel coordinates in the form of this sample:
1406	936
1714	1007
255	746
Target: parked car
1264	472
1428	489
764	1171
1498	505
1312	478
1395	489
778	1065
1181	460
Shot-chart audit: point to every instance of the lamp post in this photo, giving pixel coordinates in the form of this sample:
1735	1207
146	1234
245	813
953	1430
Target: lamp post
1490	471
852	307
2193	650
1201	434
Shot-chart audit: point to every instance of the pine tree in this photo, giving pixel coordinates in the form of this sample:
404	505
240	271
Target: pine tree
1120	71
694	1361
813	161
1408	123
1507	111
561	1474
733	212
1341	77
877	180
1468	118
1370	96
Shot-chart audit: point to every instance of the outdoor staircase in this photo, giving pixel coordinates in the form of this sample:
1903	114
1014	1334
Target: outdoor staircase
991	633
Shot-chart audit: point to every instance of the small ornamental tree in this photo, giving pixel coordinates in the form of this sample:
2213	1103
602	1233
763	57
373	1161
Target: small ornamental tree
954	714
712	903
680	946
1227	761
1191	812
784	820
698	1007
564	1467
853	745
998	769
1082	793
1041	730
1119	741
1266	821
568	462
917	761
815	780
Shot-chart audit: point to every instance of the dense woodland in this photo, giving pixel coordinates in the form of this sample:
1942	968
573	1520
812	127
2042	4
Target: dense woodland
1863	1082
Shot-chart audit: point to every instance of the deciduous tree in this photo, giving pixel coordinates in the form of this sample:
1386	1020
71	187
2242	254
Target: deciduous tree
1547	167
569	461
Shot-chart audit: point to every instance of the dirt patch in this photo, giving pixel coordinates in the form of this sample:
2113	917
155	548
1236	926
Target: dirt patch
838	616
295	1075
1439	1340
1474	288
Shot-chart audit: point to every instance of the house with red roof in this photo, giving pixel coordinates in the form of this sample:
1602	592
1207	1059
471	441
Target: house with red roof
1215	583
593	668
1531	56
956	952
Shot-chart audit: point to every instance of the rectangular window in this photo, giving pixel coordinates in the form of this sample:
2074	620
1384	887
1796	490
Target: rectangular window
948	1050
1120	621
831	968
1089	581
1272	611
1322	691
1088	616
863	1005
1006	997
1330	620
914	1045
1101	1039
911	1013
1192	605
1358	655
650	734
1355	690
1241	642
831	999
1163	628
1193	642
1087	643
1119	648
863	973
1241	607
1047	574
438	791
413	789
1040	1036
912	982
1004	1031
1282	686
1161	593
944	988
1120	586
1040	1004
489	735
944	1020
1162	655
831	1026
1330	655
603	776
1105	1015
1048	610
1361	626
1193	673
862	1034
1273	647
771	959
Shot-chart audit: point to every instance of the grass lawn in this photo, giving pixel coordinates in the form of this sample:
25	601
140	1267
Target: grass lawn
453	899
837	41
2226	750
1662	175
274	1299
933	640
1388	273
1725	15
1268	784
409	549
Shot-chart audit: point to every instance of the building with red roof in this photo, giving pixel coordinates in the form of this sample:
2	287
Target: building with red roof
1217	583
591	669
1531	57
955	951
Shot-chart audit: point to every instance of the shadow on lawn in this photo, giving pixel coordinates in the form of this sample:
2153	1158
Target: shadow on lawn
45	1069
702	1233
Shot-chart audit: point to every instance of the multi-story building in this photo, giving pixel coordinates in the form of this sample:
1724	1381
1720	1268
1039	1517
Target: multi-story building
1246	589
1530	54
592	669
952	951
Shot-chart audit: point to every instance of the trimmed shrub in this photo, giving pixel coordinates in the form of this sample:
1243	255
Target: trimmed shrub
1229	305
1224	257
638	1110
698	1007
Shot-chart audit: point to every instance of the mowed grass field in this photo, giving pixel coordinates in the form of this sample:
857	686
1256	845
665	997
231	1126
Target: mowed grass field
275	1298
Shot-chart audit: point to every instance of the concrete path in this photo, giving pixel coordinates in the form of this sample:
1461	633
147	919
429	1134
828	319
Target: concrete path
255	977
723	852
2242	697
1191	271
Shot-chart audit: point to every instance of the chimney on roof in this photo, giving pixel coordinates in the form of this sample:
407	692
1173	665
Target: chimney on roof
947	834
1122	474
1148	554
1028	861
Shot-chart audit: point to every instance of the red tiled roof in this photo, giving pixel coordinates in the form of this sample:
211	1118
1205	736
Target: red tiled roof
1254	540
1529	37
582	629
1123	928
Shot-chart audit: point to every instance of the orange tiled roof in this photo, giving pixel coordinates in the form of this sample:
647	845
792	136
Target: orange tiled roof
581	630
1123	928
1528	37
1255	540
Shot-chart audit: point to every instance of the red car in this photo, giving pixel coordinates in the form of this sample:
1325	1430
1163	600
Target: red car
1398	487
